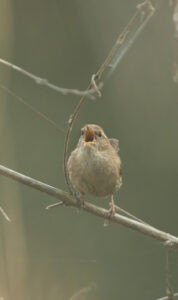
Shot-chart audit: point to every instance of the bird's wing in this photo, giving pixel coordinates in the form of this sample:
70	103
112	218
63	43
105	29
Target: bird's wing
115	144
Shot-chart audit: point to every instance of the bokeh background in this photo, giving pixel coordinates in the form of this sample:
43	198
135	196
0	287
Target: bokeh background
54	254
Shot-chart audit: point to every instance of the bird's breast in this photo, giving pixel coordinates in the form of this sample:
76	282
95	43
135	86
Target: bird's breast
96	173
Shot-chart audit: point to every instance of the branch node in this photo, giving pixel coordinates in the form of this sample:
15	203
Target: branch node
41	81
94	85
70	119
144	6
169	243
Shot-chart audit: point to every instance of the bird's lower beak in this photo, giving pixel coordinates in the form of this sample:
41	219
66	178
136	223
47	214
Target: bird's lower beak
89	136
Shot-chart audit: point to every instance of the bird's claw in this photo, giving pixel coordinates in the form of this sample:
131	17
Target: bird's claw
81	201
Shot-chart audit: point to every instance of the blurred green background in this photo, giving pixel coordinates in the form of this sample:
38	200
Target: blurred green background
53	254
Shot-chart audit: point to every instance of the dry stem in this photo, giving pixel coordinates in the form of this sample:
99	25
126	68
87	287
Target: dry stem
67	199
45	82
4	214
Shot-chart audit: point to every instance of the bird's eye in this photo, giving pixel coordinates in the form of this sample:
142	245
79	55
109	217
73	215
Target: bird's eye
99	134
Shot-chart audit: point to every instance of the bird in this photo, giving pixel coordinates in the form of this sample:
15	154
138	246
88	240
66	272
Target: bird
94	167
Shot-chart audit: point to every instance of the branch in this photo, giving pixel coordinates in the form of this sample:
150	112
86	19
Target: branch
5	216
45	82
167	297
175	20
69	200
82	292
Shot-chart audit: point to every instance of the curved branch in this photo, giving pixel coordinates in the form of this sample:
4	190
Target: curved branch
67	199
135	26
45	82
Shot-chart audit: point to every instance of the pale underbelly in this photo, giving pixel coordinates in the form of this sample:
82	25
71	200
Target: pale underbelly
98	182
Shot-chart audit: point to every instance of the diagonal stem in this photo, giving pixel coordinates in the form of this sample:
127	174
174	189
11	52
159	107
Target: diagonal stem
166	238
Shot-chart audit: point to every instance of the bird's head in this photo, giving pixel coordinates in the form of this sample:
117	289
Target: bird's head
93	136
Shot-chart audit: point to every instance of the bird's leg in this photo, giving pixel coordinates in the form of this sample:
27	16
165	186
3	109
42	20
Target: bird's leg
111	212
81	200
112	207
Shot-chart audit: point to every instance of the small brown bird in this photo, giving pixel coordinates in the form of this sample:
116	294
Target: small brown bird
94	166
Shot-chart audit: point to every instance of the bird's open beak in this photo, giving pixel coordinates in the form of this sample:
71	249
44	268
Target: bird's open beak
89	136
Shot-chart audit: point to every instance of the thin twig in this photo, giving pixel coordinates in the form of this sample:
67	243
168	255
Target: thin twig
83	291
135	26
54	205
167	297
45	82
34	109
4	214
66	143
125	39
166	238
93	82
126	213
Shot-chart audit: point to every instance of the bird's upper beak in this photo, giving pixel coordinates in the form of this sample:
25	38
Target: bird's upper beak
89	136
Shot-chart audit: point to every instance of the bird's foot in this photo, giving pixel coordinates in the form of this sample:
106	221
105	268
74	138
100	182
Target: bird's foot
81	201
111	210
